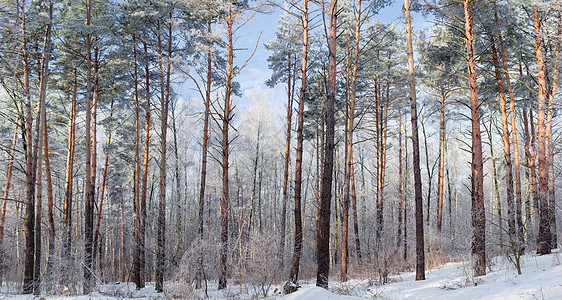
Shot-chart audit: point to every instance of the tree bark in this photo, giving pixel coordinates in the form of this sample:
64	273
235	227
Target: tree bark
225	147
38	215
104	180
549	141
323	241
136	221
420	255
5	194
29	217
165	100
478	245
204	151
441	175
287	160
544	241
89	186
350	123
144	185
66	256
518	198
294	275
506	147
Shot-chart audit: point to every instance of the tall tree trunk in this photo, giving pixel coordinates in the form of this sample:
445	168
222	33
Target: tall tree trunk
420	255
544	241
66	257
207	101
104	179
350	121
225	147
441	176
478	212
496	186
144	185
400	180
506	147
5	194
294	275
405	248
165	100
354	207
518	201
89	186
38	214
136	222
550	145
323	242
42	94
287	160
29	217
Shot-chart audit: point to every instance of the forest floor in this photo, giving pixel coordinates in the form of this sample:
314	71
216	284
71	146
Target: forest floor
541	278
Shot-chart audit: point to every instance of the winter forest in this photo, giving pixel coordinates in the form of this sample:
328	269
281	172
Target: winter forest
132	151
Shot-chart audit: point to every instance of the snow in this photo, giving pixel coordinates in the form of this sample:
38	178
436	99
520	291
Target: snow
314	292
541	278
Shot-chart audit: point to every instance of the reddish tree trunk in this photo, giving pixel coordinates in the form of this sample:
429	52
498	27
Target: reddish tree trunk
478	213
518	198
225	147
544	241
89	186
506	146
294	275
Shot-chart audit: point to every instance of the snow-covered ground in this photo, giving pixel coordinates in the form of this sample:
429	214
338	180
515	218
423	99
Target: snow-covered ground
541	278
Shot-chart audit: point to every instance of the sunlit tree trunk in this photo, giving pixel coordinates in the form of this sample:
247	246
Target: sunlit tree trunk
544	241
144	185
478	244
506	145
516	157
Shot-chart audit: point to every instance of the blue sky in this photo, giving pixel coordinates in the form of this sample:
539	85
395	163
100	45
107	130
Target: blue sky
257	71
